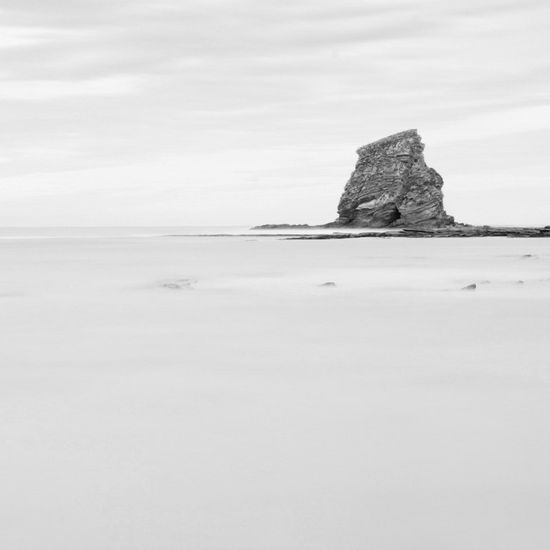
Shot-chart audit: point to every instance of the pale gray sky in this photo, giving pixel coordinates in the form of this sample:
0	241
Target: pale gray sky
162	112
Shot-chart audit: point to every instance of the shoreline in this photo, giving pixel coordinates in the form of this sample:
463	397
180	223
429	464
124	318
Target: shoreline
422	233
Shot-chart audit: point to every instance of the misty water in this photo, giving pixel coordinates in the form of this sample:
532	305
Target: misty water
211	393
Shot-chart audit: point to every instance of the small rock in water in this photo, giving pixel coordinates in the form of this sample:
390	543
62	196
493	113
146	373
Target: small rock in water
329	284
520	282
178	284
473	286
169	285
529	256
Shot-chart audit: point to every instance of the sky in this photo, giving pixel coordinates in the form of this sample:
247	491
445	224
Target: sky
237	112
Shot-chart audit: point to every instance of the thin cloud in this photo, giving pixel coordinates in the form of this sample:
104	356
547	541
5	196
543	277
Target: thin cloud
44	90
499	123
14	37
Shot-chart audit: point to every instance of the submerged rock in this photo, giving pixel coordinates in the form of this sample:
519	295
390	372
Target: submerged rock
393	186
178	284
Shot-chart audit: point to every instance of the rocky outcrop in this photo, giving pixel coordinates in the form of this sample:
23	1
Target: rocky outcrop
392	186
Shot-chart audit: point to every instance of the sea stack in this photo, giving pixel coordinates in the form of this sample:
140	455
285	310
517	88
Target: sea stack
393	187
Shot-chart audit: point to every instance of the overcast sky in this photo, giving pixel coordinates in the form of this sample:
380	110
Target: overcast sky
186	112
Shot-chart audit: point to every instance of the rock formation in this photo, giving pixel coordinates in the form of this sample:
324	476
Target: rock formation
393	186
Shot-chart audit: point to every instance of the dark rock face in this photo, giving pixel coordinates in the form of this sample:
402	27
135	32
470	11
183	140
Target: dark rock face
393	186
282	226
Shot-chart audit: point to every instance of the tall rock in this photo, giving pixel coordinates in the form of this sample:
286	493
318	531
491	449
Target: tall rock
393	186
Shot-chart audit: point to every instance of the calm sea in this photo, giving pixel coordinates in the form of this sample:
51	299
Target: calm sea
12	233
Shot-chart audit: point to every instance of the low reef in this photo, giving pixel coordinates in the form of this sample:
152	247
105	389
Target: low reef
392	187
